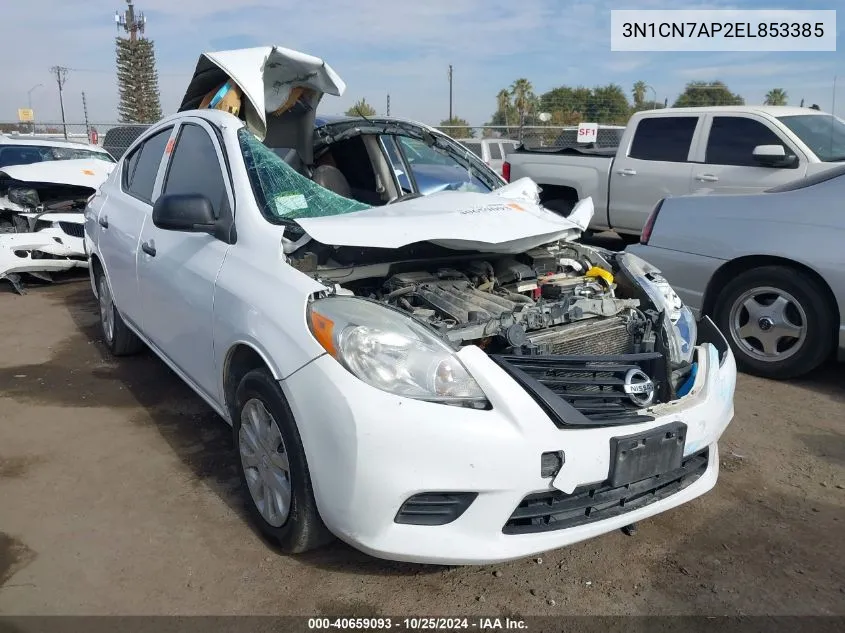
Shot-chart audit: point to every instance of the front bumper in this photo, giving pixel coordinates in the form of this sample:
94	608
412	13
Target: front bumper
369	451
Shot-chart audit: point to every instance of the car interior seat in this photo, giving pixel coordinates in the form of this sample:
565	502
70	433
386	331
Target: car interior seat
332	178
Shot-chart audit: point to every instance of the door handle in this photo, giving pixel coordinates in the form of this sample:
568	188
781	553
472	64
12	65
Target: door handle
627	172
103	221
148	248
707	178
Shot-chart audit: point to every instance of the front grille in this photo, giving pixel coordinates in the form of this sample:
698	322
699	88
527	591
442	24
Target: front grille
554	510
593	386
590	336
73	229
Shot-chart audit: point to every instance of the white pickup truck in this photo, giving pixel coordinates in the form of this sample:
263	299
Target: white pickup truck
678	151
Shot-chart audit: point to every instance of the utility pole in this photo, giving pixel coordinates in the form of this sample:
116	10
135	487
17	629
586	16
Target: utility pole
833	105
85	113
388	104
450	93
61	77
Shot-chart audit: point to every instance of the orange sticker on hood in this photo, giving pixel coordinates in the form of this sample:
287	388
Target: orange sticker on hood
516	207
88	172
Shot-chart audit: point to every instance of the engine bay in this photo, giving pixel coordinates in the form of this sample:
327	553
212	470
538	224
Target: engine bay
562	298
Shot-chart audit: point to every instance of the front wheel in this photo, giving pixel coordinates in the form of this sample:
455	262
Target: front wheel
777	321
273	467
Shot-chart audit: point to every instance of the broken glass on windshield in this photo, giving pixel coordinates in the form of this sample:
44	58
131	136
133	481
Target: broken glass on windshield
285	194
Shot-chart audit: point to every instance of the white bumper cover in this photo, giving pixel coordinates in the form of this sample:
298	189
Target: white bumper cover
369	451
16	249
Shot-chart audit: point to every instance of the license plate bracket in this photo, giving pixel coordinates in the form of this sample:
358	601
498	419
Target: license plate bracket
643	455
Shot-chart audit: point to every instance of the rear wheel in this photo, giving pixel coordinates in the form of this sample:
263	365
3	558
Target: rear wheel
273	467
120	340
777	321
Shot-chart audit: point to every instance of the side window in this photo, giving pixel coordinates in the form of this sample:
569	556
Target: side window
495	151
733	139
195	168
663	138
141	168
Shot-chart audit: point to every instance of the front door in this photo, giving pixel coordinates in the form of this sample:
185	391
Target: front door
177	270
728	164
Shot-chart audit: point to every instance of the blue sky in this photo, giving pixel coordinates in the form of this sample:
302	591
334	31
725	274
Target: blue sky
386	46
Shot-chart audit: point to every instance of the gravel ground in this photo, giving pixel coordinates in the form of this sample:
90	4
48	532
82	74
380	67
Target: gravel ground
119	495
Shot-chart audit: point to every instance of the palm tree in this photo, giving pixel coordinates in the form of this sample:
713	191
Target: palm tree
776	97
503	104
523	95
639	93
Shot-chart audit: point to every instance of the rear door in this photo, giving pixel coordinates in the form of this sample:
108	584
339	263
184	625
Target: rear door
121	220
655	165
727	164
177	270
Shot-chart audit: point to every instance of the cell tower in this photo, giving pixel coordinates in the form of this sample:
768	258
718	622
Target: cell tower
129	22
137	78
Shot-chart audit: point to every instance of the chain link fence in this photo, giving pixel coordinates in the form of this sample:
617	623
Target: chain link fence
117	137
539	136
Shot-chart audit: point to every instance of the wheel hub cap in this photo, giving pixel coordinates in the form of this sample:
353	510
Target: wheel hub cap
768	323
265	463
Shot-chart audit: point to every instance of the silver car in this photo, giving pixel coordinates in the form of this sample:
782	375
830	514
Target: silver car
769	267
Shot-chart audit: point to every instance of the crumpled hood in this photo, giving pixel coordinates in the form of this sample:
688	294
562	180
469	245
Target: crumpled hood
267	75
508	220
79	172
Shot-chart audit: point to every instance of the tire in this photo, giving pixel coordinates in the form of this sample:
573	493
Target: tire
561	206
267	440
120	340
788	304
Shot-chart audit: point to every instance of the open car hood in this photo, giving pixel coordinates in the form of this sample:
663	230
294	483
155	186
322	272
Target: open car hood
78	172
269	77
508	220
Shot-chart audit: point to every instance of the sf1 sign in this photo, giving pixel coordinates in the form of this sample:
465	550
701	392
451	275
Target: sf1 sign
588	132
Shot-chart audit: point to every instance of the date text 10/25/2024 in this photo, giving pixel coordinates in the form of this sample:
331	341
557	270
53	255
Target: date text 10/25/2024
418	624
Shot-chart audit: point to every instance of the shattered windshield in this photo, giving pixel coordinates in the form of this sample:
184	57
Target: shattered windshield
29	154
282	193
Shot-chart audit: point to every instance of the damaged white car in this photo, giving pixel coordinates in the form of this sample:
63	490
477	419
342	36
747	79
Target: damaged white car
41	211
447	378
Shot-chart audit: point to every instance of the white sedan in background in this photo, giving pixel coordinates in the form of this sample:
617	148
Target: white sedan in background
446	378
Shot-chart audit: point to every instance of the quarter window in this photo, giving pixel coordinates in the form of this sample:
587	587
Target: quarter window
141	167
663	138
732	141
495	151
195	168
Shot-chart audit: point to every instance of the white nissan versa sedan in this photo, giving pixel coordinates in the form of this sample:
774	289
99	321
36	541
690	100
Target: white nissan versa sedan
447	378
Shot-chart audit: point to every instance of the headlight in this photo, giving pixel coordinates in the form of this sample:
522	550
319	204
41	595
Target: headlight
681	325
390	351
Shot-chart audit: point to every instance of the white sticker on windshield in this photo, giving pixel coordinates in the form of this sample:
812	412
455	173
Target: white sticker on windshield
287	202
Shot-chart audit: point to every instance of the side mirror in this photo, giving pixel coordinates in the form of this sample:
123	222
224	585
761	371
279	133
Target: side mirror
190	212
774	156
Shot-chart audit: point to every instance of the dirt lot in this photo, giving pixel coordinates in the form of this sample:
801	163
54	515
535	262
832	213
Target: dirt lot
118	495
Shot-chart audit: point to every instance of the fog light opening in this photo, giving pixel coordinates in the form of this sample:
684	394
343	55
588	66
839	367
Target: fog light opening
551	463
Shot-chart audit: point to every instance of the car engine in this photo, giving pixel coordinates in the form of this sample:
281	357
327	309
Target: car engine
549	300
